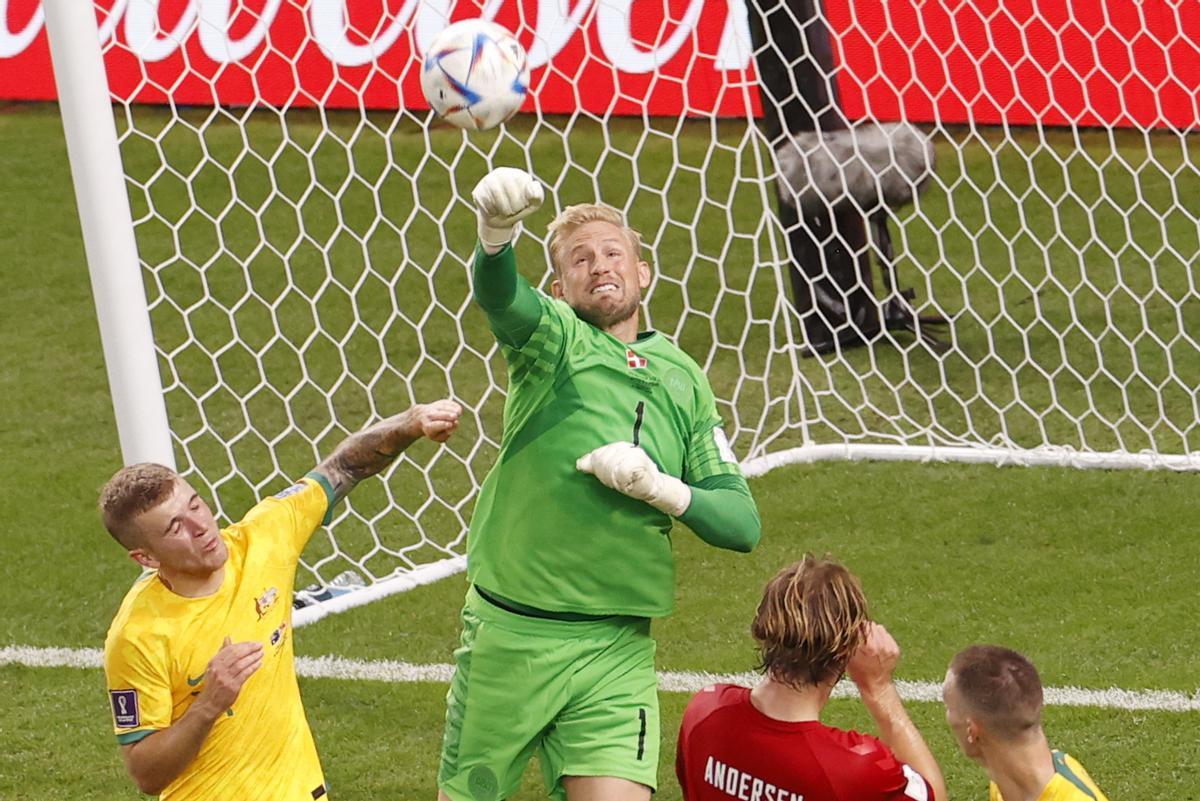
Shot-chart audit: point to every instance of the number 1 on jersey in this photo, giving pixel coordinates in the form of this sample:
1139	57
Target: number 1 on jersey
637	423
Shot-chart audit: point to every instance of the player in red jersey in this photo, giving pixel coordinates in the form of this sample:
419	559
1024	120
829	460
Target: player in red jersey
768	743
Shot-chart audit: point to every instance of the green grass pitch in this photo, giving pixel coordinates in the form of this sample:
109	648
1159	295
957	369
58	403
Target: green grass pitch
1093	574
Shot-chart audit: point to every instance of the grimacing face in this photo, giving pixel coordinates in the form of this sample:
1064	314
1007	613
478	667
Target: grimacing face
180	535
602	278
956	717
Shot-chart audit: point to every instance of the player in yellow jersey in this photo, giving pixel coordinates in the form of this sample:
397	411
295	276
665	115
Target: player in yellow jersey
199	660
993	700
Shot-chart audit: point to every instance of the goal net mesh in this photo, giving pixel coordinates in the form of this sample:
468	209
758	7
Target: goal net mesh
306	245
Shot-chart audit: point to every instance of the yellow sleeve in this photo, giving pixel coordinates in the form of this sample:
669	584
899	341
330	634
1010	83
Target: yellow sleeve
290	517
139	689
994	792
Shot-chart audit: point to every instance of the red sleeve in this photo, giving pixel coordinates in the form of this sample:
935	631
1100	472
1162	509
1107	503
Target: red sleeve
880	775
698	709
683	743
681	763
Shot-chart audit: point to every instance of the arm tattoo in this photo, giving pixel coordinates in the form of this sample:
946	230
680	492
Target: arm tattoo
369	451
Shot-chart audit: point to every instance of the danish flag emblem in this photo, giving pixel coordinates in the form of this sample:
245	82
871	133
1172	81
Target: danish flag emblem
633	360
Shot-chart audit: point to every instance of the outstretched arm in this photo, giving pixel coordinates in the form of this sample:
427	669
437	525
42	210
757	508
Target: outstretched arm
502	199
369	451
510	303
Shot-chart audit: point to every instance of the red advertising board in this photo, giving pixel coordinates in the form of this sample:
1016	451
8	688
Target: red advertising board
1075	62
1058	62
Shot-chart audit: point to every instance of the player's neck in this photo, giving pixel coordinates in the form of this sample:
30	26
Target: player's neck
1022	770
780	702
191	586
626	330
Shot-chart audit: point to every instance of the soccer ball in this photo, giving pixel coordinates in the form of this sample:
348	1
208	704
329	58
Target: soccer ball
475	75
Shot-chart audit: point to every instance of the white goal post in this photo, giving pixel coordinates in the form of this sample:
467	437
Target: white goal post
279	235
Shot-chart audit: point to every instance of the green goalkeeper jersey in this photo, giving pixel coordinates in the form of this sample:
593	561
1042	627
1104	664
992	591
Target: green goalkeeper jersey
551	537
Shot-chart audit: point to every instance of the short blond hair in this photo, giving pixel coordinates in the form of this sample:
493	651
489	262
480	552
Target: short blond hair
132	491
812	618
572	218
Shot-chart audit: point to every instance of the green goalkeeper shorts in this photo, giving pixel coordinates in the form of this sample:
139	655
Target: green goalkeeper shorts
583	695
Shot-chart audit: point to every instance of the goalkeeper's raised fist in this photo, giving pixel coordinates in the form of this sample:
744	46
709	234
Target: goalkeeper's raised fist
629	469
503	198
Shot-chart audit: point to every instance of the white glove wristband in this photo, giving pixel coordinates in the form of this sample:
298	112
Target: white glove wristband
493	240
630	470
671	495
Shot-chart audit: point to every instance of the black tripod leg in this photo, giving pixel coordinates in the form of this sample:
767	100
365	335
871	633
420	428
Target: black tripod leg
898	313
883	244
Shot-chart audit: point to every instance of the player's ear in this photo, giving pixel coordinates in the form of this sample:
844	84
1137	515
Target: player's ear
643	274
973	730
144	559
556	289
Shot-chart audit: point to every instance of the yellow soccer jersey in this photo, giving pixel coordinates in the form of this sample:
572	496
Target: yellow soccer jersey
1069	783
160	644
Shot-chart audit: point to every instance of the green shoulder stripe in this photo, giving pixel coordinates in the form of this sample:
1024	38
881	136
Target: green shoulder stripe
1063	769
130	737
330	498
733	481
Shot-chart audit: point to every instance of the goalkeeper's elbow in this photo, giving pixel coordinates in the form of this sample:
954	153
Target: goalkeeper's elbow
745	539
741	539
724	519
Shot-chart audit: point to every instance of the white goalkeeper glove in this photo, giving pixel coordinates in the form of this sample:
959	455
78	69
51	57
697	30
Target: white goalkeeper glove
503	198
629	469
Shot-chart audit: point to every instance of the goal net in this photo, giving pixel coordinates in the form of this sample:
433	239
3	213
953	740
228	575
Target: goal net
304	230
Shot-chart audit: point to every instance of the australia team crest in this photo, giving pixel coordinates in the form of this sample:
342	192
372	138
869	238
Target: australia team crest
264	602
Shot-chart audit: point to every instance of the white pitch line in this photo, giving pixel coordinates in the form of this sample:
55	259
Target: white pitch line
51	657
336	667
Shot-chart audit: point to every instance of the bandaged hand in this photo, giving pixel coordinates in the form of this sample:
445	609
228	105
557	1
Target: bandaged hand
628	469
504	197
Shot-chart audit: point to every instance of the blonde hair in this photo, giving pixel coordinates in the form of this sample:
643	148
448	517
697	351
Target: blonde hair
572	218
812	618
131	491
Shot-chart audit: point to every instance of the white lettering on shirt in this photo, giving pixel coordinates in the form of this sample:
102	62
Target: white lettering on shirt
748	787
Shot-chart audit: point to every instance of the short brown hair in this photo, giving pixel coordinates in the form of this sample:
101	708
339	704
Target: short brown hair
574	217
131	491
812	618
1000	687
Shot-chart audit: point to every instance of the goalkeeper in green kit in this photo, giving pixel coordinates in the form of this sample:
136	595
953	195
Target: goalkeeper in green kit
609	435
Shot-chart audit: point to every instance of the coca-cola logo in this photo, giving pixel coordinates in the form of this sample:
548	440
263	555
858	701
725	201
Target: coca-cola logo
154	30
915	61
13	40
